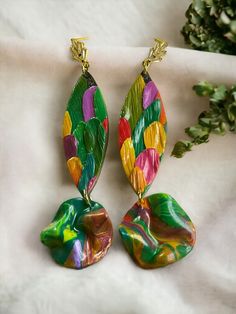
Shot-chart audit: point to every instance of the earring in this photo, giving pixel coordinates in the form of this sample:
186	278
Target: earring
81	232
156	231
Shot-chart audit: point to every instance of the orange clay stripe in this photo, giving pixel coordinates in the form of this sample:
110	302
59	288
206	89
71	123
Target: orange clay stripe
163	114
75	168
137	180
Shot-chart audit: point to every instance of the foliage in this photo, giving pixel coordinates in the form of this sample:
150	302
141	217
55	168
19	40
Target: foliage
211	26
218	119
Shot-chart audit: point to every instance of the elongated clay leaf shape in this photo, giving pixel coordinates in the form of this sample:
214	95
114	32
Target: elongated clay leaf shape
156	231
85	133
142	133
81	232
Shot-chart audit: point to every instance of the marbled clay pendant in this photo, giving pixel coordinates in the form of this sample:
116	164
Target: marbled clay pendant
81	232
156	231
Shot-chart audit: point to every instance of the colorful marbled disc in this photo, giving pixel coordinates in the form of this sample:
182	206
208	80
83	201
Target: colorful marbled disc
79	235
142	133
157	232
85	133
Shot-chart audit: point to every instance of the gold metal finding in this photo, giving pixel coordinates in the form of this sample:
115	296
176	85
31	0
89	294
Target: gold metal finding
80	52
156	53
86	197
140	198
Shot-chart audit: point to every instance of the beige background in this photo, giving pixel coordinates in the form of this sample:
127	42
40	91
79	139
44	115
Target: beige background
36	79
106	22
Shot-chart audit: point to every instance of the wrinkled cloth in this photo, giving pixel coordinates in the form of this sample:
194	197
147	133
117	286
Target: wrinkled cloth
105	22
36	78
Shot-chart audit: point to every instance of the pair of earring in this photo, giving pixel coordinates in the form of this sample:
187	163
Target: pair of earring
156	231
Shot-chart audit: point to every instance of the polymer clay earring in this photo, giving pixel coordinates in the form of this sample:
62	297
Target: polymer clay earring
81	232
156	231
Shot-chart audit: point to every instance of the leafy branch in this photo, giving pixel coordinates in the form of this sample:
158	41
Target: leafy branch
220	118
211	26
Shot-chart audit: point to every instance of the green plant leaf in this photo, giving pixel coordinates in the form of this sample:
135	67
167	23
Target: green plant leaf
220	118
180	148
211	26
219	94
220	129
231	112
203	88
197	131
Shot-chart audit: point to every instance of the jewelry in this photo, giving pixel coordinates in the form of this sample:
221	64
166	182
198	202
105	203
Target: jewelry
156	231
81	232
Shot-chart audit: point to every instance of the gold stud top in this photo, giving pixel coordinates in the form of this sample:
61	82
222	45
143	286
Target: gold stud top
80	52
156	53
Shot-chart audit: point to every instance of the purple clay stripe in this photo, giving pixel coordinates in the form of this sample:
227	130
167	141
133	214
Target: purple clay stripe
77	254
88	109
138	228
69	146
149	94
143	214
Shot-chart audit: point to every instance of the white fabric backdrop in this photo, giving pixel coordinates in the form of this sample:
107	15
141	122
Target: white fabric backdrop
106	22
36	79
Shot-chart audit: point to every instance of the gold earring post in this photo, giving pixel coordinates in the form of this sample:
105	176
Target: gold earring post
156	53
80	52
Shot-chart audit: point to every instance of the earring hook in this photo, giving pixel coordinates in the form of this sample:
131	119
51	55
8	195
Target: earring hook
80	52
156	53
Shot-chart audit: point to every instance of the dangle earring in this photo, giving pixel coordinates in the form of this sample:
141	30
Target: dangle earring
81	232
156	231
